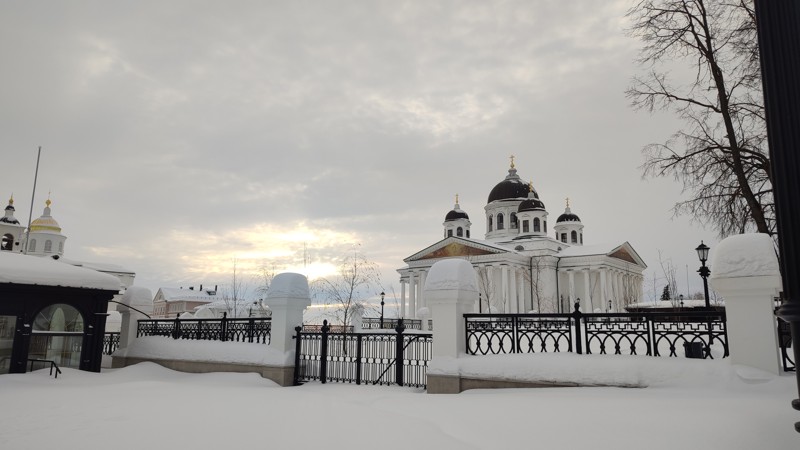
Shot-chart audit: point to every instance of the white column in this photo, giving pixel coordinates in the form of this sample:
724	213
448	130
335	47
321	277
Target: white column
402	312
571	281
603	299
412	295
521	292
504	288
421	291
491	296
587	301
512	290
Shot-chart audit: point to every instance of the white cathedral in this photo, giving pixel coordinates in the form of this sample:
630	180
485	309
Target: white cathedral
519	267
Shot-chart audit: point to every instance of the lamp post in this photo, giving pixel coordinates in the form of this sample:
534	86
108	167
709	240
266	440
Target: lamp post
681	298
702	253
383	294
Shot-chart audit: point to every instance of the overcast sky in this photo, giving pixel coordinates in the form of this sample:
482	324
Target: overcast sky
179	135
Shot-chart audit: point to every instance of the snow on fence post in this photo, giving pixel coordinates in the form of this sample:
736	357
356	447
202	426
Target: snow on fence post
745	272
288	297
142	300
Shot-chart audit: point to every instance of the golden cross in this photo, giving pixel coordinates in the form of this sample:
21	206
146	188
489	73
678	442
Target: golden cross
512	161
456	199
567	202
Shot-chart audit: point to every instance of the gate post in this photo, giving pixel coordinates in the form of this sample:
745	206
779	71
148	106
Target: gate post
576	315
297	347
746	273
287	298
398	352
323	353
223	327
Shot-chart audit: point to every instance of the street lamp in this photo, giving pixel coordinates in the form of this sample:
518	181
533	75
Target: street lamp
383	294
681	298
702	253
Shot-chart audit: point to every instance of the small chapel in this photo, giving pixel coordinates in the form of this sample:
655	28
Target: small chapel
521	265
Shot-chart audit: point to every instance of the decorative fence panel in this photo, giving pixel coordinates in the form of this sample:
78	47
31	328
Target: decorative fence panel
785	341
370	358
693	334
376	323
253	329
110	342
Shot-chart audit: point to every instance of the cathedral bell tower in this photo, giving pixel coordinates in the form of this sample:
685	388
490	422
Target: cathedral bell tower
456	222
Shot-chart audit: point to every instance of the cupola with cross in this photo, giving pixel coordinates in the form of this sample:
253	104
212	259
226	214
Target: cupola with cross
456	222
569	228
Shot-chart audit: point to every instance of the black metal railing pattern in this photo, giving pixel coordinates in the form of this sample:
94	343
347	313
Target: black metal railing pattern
785	344
251	329
110	342
670	334
362	358
376	323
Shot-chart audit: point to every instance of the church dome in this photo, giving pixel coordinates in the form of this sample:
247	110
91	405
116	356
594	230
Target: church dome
9	216
511	188
568	216
46	221
455	215
531	204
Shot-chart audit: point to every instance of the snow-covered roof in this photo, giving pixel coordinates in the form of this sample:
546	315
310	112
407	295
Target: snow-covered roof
100	267
177	294
622	251
17	268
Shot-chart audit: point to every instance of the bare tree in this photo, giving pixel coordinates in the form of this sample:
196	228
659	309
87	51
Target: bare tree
720	155
671	279
484	288
348	291
234	295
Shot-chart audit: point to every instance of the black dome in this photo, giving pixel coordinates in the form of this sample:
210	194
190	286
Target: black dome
511	188
455	215
568	217
531	204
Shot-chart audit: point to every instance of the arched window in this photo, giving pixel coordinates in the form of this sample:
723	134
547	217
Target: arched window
8	242
574	235
460	232
57	335
525	226
500	224
48	246
536	225
467	234
61	247
545	226
581	238
563	237
449	232
490	223
513	221
32	245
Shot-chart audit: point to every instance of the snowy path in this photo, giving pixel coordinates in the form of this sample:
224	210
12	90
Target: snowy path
149	407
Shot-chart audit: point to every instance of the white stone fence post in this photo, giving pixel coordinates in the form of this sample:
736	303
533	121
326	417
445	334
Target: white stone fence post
746	273
140	299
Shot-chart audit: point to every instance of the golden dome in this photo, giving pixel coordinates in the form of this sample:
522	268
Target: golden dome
46	221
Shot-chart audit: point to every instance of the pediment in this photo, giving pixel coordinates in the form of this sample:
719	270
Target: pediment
453	248
623	254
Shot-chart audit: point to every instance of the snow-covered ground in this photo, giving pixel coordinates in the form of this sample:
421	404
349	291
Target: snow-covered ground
694	405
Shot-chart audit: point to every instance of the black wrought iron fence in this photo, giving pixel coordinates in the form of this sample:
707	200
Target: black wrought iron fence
692	334
251	329
362	358
785	343
110	342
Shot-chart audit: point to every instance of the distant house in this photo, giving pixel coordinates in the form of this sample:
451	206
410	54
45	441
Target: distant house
172	302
